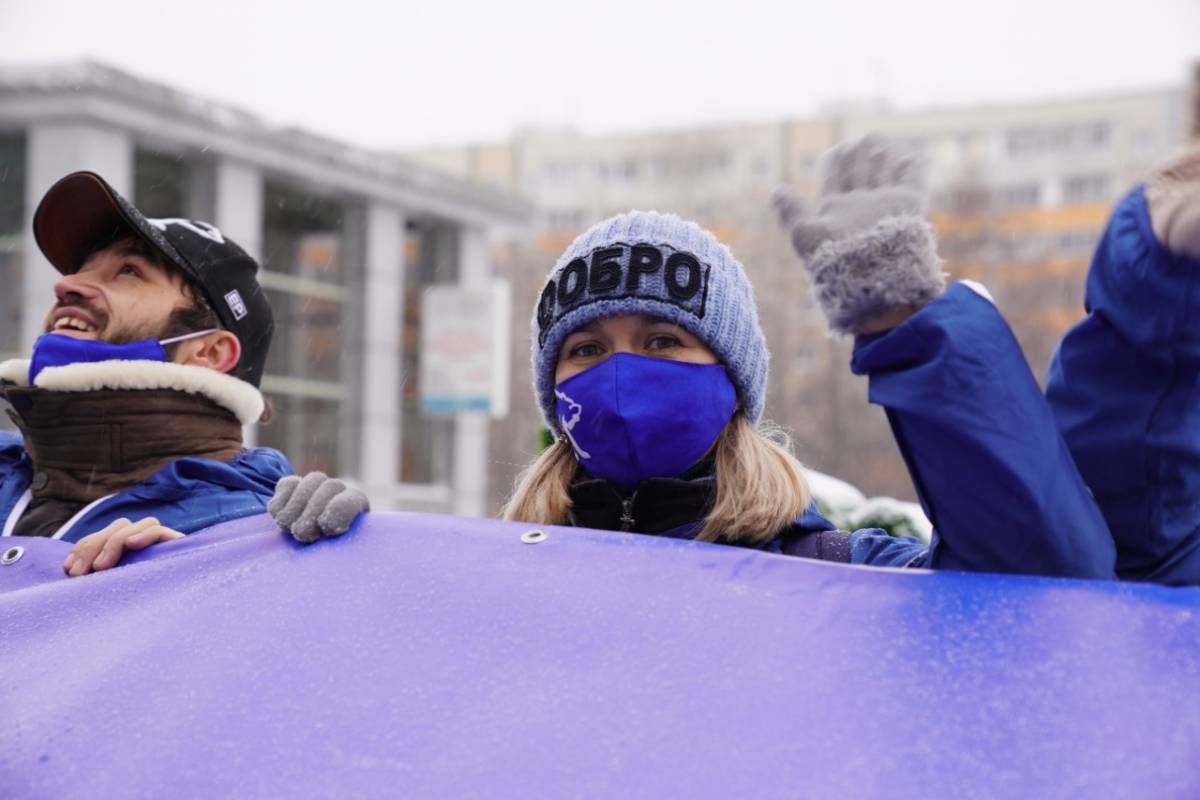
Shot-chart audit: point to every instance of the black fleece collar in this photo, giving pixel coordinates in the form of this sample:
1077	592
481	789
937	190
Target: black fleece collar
676	507
657	505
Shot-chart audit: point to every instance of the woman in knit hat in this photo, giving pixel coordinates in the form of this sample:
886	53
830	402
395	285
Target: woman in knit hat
650	368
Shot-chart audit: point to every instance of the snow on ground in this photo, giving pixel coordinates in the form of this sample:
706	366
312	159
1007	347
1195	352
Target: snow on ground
833	493
850	509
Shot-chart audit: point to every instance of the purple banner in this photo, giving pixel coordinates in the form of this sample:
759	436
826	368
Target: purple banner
436	656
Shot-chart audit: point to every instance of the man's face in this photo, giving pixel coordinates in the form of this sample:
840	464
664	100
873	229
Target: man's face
118	295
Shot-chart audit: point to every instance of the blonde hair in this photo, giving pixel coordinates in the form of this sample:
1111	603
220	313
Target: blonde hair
760	485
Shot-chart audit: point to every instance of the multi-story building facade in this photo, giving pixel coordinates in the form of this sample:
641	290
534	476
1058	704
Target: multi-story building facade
347	241
1019	197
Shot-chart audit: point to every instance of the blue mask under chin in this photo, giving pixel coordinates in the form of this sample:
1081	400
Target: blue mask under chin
634	417
58	350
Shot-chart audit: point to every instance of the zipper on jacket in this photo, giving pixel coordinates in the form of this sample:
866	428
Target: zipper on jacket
627	512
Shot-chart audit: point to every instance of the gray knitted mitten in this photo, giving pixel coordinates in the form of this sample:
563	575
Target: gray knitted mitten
315	506
867	247
1173	200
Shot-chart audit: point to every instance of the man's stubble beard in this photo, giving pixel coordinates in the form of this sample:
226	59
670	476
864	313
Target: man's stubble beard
125	335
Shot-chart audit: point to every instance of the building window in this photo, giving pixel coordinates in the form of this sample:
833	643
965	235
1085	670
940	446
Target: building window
967	199
171	185
1022	196
1023	143
1079	189
12	238
712	163
426	443
1035	142
159	184
306	277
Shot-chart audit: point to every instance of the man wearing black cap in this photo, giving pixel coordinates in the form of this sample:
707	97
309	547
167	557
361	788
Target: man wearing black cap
132	405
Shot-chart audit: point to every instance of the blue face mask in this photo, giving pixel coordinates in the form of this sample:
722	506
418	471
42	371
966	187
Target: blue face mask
57	350
634	417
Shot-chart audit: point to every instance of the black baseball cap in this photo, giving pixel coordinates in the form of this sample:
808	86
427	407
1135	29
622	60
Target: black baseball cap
82	210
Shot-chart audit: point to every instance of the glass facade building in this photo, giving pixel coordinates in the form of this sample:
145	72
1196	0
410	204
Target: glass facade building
346	242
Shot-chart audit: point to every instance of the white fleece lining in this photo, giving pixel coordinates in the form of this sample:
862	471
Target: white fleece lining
15	370
61	532
239	397
22	503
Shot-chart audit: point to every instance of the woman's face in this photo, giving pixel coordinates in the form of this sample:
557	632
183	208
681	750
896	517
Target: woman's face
632	333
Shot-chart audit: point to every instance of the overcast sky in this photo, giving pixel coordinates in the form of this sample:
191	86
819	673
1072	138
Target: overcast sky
401	74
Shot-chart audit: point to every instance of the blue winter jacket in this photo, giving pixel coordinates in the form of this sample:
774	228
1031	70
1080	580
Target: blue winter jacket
1123	386
981	444
188	494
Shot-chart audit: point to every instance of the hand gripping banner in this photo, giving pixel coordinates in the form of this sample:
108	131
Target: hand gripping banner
436	656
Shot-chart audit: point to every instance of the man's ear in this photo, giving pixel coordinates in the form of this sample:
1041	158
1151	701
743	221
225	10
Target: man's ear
219	350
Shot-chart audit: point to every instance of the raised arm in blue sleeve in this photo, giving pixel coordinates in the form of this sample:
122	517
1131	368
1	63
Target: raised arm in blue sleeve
1123	387
981	444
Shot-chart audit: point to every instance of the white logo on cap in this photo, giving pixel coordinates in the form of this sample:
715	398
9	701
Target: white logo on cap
210	232
234	299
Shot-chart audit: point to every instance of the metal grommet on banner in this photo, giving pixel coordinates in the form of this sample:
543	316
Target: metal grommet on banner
533	537
12	555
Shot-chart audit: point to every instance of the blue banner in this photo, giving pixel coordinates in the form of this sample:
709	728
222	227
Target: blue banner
437	656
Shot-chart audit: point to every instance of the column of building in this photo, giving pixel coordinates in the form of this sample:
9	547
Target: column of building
238	212
471	427
382	344
55	149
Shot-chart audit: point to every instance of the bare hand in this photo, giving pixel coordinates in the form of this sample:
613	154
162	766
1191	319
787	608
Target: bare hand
104	549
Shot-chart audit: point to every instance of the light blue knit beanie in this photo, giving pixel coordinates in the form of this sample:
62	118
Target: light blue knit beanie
643	262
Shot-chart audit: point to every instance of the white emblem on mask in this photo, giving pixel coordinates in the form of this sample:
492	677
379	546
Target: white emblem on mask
567	425
210	232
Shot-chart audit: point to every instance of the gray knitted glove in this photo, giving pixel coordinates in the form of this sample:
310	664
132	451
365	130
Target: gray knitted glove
867	247
315	506
1173	200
